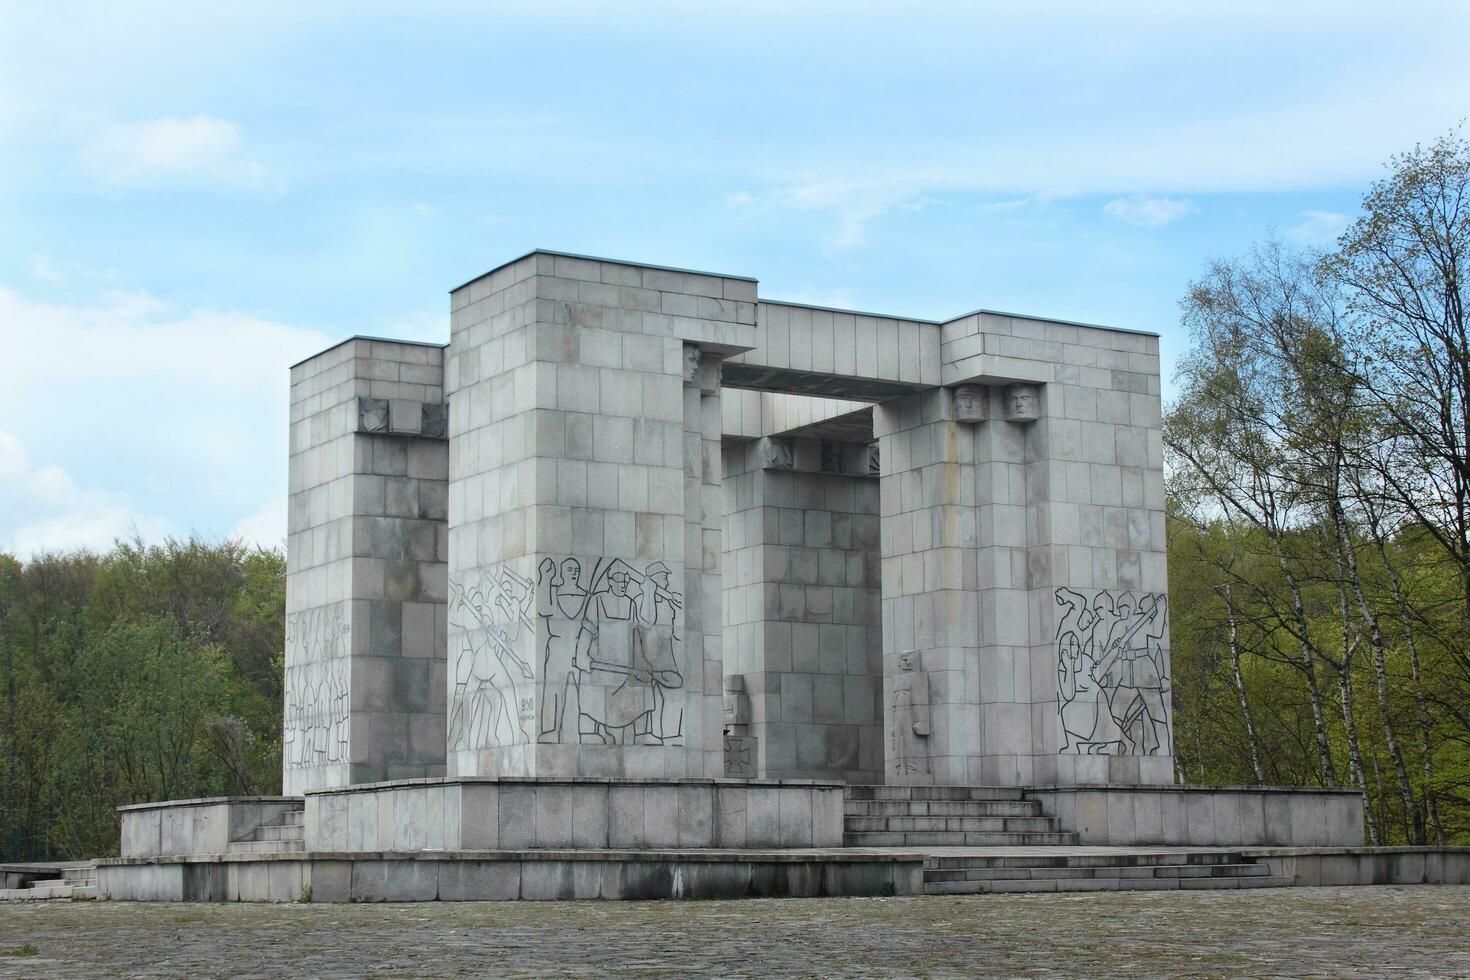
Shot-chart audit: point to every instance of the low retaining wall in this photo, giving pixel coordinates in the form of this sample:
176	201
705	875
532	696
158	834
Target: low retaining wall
1368	865
21	875
1206	816
205	826
525	875
489	814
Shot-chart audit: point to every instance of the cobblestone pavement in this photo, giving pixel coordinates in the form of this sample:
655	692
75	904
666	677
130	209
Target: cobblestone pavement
1409	931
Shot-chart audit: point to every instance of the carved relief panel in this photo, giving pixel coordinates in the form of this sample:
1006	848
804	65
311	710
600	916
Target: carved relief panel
1113	689
587	651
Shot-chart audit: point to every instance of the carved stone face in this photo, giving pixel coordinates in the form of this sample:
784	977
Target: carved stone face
908	661
619	583
778	454
1023	403
970	404
691	363
372	415
570	571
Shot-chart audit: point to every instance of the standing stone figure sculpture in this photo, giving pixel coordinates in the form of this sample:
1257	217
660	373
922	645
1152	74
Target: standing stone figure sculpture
1023	403
971	404
909	717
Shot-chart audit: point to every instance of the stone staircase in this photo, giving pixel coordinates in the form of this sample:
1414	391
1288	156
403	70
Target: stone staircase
77	881
971	874
946	816
286	834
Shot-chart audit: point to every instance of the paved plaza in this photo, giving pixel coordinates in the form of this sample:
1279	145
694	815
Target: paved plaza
1406	931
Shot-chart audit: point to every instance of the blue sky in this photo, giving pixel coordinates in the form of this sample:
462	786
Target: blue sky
193	196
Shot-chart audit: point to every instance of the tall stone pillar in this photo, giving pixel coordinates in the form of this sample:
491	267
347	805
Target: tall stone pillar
366	551
1025	616
929	540
584	517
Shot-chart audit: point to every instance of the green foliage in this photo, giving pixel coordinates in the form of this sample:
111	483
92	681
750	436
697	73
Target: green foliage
1319	477
1210	731
147	673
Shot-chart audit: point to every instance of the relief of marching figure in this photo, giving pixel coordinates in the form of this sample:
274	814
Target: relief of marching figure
610	660
493	702
315	730
1112	672
608	650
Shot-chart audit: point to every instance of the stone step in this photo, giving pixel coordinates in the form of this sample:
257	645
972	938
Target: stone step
296	817
82	874
1100	859
902	825
934	793
266	846
1143	871
958	839
942	808
1102	884
35	893
280	832
82	892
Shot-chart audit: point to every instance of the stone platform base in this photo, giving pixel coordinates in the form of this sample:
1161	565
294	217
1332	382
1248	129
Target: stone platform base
543	875
474	814
508	875
1205	816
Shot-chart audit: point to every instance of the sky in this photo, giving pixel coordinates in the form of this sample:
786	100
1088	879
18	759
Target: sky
195	196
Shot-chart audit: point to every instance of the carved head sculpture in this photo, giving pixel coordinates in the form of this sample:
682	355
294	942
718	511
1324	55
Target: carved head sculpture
571	571
909	660
372	415
1023	403
691	363
971	404
778	454
618	581
659	573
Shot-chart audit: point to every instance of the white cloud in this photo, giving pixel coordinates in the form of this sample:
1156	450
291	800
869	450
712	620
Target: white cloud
1318	227
266	527
1148	212
44	270
43	509
851	203
171	150
134	335
170	421
997	207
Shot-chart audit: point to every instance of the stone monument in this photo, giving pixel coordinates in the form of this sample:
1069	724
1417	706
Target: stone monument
638	561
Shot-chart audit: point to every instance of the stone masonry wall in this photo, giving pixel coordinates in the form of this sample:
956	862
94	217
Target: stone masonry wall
802	612
584	560
365	562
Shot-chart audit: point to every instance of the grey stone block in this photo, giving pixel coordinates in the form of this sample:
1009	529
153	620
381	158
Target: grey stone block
395	881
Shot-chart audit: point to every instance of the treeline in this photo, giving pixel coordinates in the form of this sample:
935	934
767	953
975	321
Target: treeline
147	673
1318	458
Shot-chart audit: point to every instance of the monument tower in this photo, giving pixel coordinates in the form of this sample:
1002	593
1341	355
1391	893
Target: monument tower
542	549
